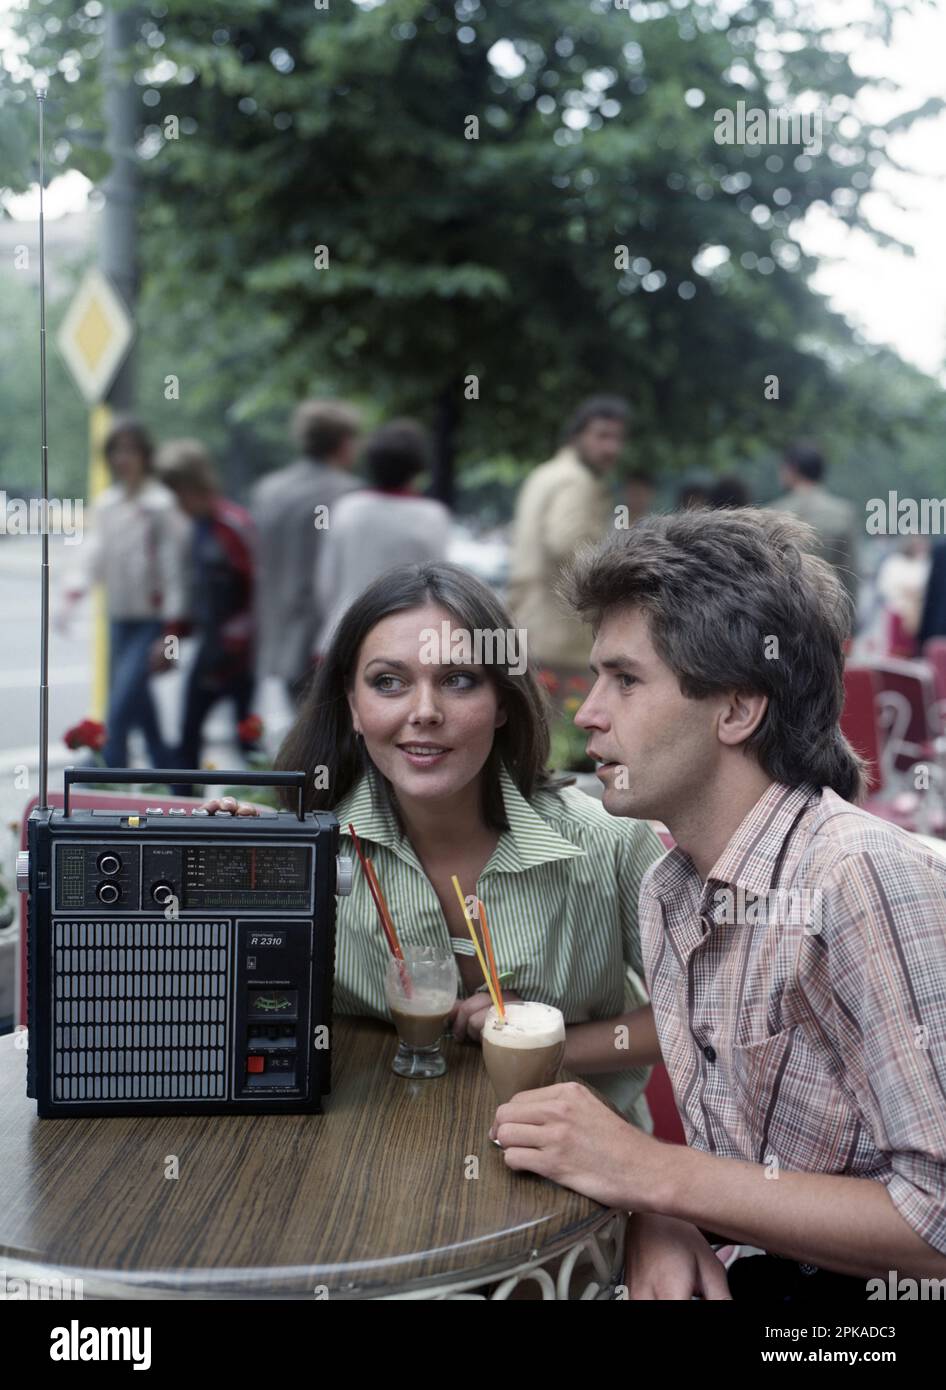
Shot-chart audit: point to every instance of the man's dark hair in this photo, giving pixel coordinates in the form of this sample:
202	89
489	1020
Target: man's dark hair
321	427
807	460
131	428
396	453
596	408
716	587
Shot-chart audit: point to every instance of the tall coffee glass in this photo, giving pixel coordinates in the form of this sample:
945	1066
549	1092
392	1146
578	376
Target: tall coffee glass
524	1052
421	990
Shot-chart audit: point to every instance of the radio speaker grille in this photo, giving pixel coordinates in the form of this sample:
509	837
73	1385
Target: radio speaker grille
139	1010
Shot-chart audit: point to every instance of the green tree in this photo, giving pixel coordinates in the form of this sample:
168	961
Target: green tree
479	210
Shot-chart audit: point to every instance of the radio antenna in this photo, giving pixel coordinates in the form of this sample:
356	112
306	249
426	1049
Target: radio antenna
44	580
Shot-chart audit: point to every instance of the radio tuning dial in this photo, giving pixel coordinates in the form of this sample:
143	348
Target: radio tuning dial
23	871
107	892
344	875
109	863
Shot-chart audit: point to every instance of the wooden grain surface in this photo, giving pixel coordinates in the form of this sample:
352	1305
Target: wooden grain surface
369	1199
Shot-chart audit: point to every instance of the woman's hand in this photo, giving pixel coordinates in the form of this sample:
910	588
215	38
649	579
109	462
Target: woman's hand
468	1015
229	803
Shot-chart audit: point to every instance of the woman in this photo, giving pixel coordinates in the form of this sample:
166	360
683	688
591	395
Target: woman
439	762
136	550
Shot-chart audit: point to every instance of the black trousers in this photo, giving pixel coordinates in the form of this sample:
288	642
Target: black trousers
768	1279
204	690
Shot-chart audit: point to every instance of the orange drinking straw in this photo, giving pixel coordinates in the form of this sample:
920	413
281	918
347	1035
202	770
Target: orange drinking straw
491	958
386	918
497	1002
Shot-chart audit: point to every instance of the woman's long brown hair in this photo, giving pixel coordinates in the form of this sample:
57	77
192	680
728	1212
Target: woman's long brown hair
323	739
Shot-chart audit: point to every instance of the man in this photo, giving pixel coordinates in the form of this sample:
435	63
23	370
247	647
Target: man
292	511
794	947
387	523
561	505
221	609
834	520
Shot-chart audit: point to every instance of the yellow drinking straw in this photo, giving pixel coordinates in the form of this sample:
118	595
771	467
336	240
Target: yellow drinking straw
497	1003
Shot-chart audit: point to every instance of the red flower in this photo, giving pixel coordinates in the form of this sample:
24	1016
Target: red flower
250	729
549	680
87	734
580	684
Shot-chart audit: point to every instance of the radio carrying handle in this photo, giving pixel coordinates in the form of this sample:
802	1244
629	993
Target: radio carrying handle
240	777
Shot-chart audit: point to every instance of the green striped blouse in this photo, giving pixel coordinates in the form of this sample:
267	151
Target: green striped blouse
560	891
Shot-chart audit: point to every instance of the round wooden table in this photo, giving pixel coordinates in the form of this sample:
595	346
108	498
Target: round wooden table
395	1192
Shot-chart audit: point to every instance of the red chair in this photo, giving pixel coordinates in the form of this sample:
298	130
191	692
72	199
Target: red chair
859	719
934	653
663	1107
906	705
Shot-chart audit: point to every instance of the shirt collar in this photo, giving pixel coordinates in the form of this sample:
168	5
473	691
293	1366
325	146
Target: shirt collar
753	853
529	841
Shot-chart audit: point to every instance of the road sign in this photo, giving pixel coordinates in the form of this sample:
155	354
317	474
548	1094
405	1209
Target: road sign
95	336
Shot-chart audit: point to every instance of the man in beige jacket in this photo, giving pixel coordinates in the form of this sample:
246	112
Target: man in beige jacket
561	505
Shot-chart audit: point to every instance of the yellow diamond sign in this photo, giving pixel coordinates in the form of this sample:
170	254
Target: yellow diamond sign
95	336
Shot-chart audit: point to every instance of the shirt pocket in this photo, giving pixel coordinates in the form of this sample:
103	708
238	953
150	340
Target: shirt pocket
793	1111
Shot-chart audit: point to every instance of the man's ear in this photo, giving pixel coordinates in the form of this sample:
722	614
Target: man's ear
741	716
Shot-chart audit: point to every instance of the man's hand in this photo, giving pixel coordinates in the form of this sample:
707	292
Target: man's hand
670	1259
229	803
566	1134
468	1015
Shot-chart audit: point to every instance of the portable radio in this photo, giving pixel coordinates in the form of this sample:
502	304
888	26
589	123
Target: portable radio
177	963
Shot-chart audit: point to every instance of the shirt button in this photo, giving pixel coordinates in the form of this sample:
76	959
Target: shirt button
709	1053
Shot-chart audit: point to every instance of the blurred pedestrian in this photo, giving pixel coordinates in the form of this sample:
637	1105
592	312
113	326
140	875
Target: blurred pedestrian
563	504
640	494
729	491
933	621
388	523
136	551
220	612
834	518
901	584
292	508
690	495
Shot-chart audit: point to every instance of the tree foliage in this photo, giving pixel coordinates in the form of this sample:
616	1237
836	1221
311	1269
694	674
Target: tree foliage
520	202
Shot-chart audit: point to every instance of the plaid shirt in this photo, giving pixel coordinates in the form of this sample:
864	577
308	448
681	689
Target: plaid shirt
800	997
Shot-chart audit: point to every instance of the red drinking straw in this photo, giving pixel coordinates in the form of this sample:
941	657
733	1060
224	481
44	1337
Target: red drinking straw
384	916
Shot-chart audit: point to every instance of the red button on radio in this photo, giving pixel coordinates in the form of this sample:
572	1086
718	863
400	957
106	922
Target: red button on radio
256	1063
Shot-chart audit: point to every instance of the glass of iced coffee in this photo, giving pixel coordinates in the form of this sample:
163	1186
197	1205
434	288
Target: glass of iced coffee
421	990
524	1052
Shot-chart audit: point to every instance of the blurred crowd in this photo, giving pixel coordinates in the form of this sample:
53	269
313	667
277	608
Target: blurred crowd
260	589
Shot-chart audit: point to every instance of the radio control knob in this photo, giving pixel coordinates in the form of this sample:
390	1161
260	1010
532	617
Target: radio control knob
23	871
109	863
107	892
344	875
162	893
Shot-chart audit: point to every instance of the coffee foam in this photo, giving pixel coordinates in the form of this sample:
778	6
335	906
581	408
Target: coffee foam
425	1002
527	1025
